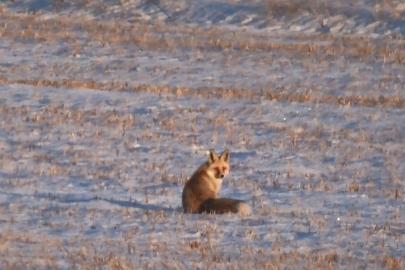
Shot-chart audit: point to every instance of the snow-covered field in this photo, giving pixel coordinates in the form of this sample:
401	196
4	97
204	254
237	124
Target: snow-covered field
107	107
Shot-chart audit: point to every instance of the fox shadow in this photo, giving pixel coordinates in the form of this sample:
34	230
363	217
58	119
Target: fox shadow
70	199
142	206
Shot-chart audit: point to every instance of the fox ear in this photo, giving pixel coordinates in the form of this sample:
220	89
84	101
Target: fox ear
225	156
212	156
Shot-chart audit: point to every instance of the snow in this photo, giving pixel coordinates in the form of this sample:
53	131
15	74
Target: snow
107	107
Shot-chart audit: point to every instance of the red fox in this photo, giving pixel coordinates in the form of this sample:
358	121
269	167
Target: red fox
200	194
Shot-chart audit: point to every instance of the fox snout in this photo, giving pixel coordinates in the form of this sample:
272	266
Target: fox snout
220	174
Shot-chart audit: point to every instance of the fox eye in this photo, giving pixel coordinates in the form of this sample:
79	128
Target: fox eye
224	168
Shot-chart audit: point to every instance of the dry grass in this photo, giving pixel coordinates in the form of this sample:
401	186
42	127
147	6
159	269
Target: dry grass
209	257
203	255
57	147
223	93
137	228
145	35
320	56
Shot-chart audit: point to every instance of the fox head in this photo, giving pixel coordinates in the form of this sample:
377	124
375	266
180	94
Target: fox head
218	166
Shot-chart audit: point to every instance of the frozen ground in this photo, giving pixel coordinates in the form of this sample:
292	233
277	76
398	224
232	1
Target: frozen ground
107	107
378	17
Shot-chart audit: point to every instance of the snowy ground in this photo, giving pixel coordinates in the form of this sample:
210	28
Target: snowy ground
107	107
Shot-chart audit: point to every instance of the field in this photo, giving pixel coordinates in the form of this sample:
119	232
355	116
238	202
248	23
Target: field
107	107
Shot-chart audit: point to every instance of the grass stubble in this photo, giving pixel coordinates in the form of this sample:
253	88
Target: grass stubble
62	233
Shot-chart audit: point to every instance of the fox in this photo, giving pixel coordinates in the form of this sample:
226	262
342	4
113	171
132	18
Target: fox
200	193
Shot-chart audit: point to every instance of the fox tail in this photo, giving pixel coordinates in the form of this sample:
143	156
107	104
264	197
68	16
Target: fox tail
224	205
